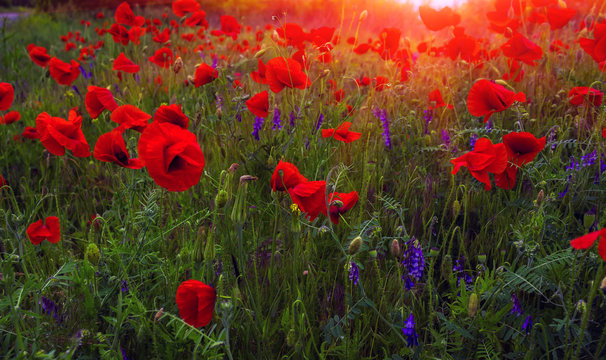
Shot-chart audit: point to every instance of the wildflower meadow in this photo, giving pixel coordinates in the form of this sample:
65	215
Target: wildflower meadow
336	179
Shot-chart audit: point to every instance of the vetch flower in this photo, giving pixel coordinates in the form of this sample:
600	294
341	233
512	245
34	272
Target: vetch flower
517	307
527	326
354	273
412	338
257	126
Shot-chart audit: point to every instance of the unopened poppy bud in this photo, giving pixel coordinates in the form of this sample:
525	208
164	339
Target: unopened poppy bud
221	198
395	249
472	305
456	207
209	248
92	254
233	168
446	268
540	197
433	252
178	65
239	211
562	4
260	53
482	258
603	284
336	203
324	74
355	245
363	15
588	220
291	337
373	254
219	112
158	315
502	82
190	79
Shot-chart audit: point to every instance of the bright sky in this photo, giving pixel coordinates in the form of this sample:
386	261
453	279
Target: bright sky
436	4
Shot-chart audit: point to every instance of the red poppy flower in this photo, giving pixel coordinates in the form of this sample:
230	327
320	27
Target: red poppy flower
122	63
2	181
30	133
364	81
381	82
301	58
515	71
7	95
197	19
259	75
62	72
230	26
522	49
559	17
389	42
110	147
135	33
171	155
259	104
604	132
183	7
463	46
57	134
321	36
507	179
586	241
124	15
10	117
585	95
293	34
130	117
162	37
484	159
485	98
310	196
196	302
204	75
99	99
119	34
171	114
522	147
342	133
286	176
339	203
362	49
437	20
162	57
281	72
596	47
47	230
436	97
38	55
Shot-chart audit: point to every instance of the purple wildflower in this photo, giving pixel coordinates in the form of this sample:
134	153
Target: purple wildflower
257	127
239	116
446	138
137	79
277	120
382	116
318	124
215	61
472	140
124	288
86	74
123	353
409	330
459	269
414	262
589	159
489	125
218	102
354	273
517	307
527	326
291	119
76	90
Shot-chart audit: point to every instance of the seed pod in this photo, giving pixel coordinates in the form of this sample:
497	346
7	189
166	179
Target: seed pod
221	198
355	245
92	254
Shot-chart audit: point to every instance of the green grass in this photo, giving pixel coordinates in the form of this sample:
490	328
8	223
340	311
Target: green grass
282	282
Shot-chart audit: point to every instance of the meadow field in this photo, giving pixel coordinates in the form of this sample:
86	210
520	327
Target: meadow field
339	179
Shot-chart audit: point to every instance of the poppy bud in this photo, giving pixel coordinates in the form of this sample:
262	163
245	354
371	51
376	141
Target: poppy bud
324	74
190	79
239	211
354	245
433	252
540	198
472	305
482	258
291	337
219	113
456	207
588	220
92	254
373	254
260	53
158	315
446	268
502	82
363	15
562	4
603	284
221	198
233	168
178	65
395	249
209	248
